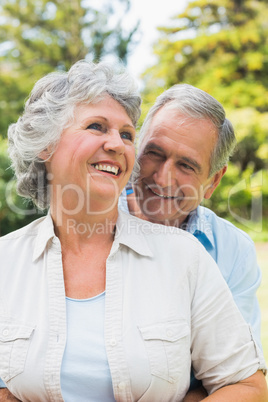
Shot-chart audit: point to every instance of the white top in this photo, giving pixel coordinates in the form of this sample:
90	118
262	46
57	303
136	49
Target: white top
85	370
167	305
234	252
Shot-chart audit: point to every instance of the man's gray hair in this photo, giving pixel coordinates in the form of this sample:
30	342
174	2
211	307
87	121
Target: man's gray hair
50	109
195	103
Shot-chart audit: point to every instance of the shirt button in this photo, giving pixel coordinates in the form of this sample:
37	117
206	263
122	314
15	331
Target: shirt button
122	385
113	342
169	333
5	332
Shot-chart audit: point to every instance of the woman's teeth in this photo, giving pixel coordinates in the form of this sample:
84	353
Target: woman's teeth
107	168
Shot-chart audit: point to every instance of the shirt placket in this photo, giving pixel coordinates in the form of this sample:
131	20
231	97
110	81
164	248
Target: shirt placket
113	328
57	321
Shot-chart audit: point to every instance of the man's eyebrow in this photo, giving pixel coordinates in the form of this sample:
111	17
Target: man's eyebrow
192	162
152	146
186	159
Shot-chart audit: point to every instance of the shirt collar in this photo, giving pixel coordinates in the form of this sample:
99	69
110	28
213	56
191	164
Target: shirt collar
44	234
131	231
199	225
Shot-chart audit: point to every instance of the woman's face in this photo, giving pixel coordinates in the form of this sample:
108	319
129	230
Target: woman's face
94	158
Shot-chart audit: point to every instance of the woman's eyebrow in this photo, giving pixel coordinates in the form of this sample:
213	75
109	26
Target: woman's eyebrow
129	126
85	120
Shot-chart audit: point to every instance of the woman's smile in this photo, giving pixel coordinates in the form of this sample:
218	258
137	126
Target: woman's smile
107	167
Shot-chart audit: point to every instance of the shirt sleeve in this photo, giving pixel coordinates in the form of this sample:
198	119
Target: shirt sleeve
235	254
229	354
244	282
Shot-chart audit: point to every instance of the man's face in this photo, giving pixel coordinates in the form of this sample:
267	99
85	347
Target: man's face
175	164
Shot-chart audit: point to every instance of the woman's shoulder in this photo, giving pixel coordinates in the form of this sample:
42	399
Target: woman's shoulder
157	235
29	230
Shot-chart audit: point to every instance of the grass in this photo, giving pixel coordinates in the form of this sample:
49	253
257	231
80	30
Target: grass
262	254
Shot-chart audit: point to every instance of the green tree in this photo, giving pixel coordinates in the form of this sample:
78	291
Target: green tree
39	36
221	46
14	210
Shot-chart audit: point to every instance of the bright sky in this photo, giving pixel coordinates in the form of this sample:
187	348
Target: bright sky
152	13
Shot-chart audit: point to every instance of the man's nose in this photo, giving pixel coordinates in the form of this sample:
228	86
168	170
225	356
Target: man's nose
165	176
114	142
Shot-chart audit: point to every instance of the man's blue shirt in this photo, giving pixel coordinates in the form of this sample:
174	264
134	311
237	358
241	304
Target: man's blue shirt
235	254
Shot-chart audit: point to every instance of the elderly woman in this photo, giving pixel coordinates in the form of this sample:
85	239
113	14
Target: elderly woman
96	305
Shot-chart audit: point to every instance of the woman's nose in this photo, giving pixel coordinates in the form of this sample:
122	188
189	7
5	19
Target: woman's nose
114	142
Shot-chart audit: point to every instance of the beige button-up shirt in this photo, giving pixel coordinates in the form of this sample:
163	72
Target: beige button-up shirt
167	306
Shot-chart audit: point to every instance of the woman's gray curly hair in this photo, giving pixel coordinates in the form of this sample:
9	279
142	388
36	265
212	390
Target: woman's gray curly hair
50	108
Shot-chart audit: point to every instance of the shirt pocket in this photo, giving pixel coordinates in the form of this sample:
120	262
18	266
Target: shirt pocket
14	344
168	348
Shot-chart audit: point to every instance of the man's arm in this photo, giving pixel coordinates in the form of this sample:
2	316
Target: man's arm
252	389
196	395
6	396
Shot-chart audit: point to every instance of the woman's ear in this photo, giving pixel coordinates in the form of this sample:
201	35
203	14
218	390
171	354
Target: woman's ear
45	155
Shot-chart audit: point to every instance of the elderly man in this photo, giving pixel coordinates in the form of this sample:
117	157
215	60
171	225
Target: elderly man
185	145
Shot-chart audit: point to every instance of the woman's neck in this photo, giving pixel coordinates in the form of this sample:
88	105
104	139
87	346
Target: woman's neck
78	229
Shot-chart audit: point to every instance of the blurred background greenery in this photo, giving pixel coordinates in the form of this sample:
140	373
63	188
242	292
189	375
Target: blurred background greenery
220	46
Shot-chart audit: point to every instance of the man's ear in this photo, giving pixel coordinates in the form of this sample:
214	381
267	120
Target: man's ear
215	181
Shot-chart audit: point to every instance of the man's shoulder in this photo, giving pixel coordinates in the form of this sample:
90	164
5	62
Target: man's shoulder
221	227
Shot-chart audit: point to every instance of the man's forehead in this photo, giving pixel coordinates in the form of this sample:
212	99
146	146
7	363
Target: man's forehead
165	123
171	118
167	113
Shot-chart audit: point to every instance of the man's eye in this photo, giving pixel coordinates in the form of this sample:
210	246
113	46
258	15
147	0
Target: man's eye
153	154
127	136
95	126
187	167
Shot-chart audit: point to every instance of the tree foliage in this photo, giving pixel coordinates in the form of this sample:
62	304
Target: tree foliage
14	210
39	36
221	46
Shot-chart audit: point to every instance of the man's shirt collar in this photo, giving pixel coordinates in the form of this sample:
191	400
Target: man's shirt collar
200	226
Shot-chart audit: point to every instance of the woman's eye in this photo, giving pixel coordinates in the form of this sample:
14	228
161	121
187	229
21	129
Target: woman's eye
95	126
127	136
